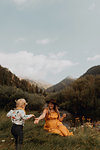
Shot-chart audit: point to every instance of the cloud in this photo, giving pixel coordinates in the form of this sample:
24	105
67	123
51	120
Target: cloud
46	41
92	6
28	65
43	42
21	39
96	57
58	55
20	2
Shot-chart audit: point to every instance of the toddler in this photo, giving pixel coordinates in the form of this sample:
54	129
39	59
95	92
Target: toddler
18	117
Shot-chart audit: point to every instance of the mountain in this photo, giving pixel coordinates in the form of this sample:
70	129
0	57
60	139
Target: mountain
41	84
9	79
61	85
95	70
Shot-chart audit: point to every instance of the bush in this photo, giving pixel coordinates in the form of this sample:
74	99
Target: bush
36	102
8	95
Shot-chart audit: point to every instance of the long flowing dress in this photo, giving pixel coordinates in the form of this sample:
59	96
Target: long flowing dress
53	125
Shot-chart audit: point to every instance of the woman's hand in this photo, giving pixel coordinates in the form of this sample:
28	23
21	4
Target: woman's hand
33	115
64	115
41	117
36	121
61	118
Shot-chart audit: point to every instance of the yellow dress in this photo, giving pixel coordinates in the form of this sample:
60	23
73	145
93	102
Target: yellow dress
53	125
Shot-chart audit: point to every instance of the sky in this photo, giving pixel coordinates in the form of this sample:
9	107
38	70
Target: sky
49	40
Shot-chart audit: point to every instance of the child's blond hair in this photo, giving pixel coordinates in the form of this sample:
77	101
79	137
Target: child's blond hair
20	102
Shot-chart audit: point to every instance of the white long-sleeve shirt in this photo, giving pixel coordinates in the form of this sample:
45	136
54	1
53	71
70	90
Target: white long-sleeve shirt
18	116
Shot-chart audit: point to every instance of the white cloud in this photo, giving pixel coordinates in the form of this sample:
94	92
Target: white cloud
93	58
43	42
20	2
28	65
92	6
46	41
21	39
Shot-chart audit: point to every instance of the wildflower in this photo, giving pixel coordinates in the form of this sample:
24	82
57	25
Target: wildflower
97	125
3	141
88	124
77	118
89	119
83	118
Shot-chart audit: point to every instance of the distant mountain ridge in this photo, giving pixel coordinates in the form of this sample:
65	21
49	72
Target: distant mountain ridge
41	84
95	70
33	86
61	85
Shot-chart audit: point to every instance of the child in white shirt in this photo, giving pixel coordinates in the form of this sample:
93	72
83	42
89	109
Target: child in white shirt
18	117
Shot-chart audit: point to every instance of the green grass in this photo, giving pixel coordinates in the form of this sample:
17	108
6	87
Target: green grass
36	138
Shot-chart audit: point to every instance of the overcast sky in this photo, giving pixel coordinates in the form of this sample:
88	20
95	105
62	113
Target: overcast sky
49	39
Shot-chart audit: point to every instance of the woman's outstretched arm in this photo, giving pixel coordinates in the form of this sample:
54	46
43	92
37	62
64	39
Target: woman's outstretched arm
41	117
61	118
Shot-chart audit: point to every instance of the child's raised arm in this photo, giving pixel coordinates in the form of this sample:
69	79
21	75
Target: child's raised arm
26	117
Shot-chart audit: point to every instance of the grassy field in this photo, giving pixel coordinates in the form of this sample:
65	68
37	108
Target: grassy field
35	138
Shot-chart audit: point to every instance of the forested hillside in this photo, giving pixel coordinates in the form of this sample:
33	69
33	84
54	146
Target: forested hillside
12	87
9	79
95	70
82	98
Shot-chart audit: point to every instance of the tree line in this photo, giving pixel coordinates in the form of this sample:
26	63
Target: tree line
9	94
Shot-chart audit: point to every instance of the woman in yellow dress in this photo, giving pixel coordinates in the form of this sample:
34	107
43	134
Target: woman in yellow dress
53	121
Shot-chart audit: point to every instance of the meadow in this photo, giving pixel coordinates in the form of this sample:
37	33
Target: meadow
36	138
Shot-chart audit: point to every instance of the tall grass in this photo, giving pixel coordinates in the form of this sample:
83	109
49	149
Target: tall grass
36	138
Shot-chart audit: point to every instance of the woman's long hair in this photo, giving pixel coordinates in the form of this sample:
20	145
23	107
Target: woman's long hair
55	109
